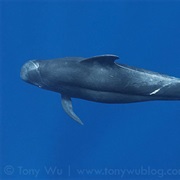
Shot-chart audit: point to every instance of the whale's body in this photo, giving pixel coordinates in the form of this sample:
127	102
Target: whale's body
99	79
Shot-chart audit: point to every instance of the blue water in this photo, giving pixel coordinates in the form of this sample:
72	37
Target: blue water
39	141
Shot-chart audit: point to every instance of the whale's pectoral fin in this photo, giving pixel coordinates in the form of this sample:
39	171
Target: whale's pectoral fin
67	106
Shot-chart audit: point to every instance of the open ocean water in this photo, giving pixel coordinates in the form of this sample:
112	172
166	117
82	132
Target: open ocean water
122	141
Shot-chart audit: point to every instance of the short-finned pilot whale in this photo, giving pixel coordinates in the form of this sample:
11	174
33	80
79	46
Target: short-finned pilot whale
99	79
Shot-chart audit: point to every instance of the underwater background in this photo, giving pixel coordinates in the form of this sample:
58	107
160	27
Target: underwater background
122	141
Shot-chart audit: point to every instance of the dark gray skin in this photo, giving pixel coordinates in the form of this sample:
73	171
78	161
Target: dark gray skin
99	79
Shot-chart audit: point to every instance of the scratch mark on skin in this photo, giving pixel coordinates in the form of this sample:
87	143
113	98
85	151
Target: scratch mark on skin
154	92
157	90
36	65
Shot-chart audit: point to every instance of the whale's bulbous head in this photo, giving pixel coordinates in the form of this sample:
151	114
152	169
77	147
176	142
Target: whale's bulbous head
30	73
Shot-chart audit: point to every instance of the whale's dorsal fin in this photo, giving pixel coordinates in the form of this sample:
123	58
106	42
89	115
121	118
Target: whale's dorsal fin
67	106
102	59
